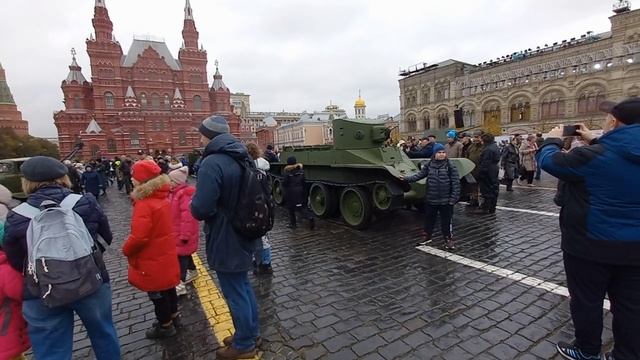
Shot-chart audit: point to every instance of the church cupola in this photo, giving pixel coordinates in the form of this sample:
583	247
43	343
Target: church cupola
360	107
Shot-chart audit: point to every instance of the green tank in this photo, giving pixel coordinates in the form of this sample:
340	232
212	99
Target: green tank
357	176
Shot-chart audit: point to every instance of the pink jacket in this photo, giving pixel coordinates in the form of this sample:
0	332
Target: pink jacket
186	229
14	339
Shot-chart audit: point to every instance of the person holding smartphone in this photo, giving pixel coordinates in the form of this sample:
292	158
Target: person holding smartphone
600	225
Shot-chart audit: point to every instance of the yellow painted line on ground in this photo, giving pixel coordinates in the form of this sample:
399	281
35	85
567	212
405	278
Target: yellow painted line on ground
213	303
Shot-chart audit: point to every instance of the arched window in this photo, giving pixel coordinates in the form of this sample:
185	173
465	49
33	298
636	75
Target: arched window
426	121
155	102
143	100
443	119
135	138
77	102
109	102
167	102
182	137
520	110
425	96
411	123
589	100
111	145
552	106
197	103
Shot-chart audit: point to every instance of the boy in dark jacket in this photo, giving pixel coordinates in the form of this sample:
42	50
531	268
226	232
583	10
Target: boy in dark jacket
295	194
443	191
488	174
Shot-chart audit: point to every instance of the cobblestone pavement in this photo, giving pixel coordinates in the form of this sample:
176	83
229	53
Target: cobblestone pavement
338	293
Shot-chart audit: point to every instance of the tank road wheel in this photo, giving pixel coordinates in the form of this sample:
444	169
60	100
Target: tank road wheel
278	192
355	207
381	195
322	200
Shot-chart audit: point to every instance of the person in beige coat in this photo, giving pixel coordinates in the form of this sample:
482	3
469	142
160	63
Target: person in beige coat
528	150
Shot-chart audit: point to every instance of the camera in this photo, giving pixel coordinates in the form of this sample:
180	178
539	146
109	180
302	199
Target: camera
570	130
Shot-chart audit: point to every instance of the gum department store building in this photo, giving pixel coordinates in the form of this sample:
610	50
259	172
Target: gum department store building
144	100
528	91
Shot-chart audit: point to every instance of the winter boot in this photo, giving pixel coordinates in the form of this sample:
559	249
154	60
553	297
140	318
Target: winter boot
161	332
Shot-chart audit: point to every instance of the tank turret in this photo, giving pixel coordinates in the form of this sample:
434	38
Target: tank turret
349	134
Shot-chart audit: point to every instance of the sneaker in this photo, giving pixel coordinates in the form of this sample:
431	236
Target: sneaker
161	332
450	244
191	275
426	239
264	269
229	340
230	353
531	185
569	351
181	289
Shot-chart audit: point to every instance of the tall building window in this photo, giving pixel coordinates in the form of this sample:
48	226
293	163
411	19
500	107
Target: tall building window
468	116
111	145
77	102
167	102
426	121
155	102
135	138
197	103
589	100
95	151
425	96
109	102
182	137
552	106
520	110
411	123
143	100
443	119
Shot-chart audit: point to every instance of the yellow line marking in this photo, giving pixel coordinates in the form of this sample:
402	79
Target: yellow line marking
213	304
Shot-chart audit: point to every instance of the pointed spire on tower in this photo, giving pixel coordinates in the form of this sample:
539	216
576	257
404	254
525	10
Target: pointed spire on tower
177	103
218	84
188	13
130	93
5	93
130	100
75	71
100	3
177	95
189	32
101	22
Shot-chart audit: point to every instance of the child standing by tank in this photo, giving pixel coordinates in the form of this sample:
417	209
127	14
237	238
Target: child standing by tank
295	193
262	256
443	191
186	229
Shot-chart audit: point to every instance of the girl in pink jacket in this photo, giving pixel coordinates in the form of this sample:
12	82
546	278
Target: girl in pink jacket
186	229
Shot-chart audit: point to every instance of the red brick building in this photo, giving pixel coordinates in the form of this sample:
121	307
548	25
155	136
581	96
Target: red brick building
10	117
142	100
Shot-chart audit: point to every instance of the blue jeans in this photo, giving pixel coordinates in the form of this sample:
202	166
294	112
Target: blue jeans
244	309
51	329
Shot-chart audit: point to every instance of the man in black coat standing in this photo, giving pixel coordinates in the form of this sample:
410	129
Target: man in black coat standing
488	174
294	192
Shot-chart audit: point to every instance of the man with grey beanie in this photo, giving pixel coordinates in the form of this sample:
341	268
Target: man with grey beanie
228	253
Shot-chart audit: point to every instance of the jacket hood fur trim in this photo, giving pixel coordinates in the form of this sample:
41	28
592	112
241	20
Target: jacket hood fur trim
148	188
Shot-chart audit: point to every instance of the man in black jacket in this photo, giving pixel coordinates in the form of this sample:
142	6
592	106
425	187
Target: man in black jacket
426	148
488	174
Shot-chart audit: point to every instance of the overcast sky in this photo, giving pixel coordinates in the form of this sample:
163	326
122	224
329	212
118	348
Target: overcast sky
291	55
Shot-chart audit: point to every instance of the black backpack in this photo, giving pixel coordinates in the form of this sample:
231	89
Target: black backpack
254	213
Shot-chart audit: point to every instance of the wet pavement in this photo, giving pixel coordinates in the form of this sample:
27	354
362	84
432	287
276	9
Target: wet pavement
338	293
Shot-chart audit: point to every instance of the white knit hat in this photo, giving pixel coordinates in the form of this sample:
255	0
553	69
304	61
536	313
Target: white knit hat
179	176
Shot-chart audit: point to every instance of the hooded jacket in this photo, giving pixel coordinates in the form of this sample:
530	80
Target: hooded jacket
216	194
294	185
14	339
186	229
151	247
600	215
15	241
443	182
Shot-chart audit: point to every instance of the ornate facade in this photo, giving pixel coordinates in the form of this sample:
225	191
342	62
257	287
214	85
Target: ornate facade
10	117
144	100
528	91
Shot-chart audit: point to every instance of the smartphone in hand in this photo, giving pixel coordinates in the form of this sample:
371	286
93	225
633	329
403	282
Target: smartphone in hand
570	130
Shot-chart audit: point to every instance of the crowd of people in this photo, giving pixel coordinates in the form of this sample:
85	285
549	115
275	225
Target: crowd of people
52	245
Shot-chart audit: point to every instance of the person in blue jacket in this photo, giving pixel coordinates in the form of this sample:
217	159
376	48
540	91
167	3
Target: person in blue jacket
91	181
426	148
600	225
228	253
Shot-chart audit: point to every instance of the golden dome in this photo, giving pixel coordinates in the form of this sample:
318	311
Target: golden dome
360	102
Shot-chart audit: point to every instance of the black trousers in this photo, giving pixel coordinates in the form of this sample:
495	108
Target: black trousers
186	263
528	175
489	188
431	213
588	282
165	304
302	209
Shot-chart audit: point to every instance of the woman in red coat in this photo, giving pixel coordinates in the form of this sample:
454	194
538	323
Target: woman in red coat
186	229
151	247
14	339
